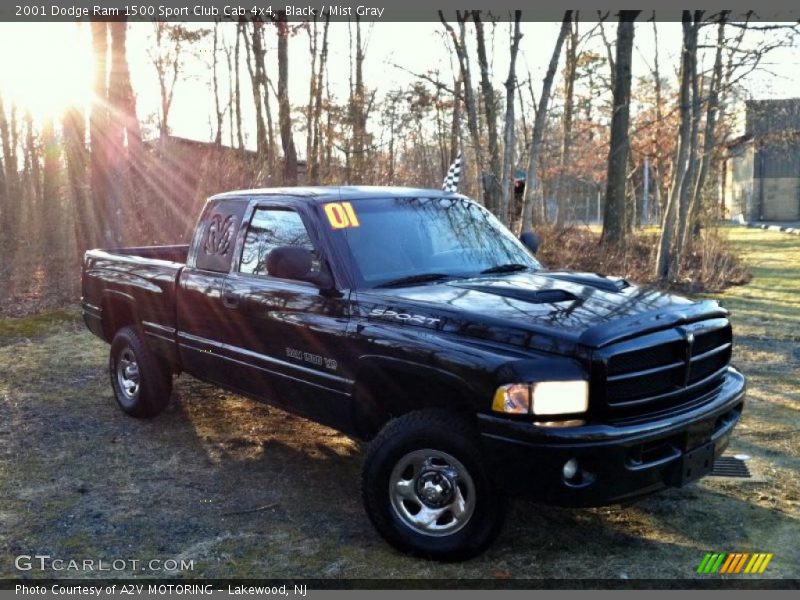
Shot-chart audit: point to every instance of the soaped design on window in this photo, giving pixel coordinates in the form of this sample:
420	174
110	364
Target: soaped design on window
217	244
221	231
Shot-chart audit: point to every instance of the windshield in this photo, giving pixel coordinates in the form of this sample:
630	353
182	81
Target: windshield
396	238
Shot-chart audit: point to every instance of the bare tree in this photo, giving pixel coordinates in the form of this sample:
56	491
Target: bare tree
664	263
255	67
10	174
313	52
710	132
98	126
529	215
359	110
284	107
171	40
50	204
237	99
460	46
315	158
492	186
74	134
507	183
687	184
570	70
4	199
614	217
124	138
219	110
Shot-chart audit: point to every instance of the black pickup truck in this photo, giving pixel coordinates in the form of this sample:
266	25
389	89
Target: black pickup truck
414	319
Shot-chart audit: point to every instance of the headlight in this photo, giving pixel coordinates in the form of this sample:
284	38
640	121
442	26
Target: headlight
542	398
514	398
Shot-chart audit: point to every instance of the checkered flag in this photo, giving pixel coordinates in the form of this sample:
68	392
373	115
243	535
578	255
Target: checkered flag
450	184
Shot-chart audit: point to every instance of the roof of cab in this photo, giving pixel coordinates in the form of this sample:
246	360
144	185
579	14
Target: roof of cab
329	193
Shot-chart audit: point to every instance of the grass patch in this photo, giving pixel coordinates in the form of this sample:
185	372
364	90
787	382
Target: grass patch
774	293
15	329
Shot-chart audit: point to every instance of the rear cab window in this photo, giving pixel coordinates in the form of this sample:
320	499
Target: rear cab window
216	240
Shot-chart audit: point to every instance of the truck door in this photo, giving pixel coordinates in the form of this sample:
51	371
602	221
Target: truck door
289	334
202	318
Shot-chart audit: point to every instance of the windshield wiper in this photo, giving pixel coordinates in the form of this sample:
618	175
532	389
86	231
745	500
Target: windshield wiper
412	279
507	268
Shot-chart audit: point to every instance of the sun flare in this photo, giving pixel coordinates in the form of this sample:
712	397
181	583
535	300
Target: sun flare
47	67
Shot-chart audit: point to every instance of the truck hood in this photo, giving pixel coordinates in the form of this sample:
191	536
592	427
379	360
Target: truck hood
555	311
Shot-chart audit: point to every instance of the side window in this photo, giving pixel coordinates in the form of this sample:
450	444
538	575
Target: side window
269	229
215	248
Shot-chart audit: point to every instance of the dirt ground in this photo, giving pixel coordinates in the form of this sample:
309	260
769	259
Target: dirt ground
245	490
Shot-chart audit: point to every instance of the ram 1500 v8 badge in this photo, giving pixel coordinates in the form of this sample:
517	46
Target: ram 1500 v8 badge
414	319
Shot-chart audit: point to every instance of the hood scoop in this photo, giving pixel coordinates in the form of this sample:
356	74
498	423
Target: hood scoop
601	282
532	296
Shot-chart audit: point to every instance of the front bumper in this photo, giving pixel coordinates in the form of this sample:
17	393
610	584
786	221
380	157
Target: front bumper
616	462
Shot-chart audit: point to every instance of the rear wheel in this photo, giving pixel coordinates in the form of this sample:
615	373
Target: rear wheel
426	489
142	383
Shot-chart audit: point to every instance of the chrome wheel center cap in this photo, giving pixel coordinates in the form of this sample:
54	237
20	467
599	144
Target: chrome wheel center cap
434	489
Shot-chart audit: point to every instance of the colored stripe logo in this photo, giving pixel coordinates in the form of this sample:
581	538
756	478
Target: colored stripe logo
734	563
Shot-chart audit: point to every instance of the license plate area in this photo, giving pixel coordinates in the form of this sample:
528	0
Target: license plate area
696	464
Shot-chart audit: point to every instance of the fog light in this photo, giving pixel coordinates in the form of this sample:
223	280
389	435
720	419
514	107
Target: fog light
570	469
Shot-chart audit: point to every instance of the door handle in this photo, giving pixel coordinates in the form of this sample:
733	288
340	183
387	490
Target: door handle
230	299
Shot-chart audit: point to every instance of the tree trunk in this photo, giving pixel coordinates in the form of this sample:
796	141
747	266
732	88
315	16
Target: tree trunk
9	195
529	215
252	48
709	135
98	136
314	161
455	123
460	46
570	69
238	87
357	108
284	107
493	190
32	164
614	216
687	185
507	184
11	176
313	51
125	142
84	218
4	202
50	205
167	71
219	112
663	258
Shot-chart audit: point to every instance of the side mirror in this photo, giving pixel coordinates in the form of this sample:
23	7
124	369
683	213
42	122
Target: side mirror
530	240
294	262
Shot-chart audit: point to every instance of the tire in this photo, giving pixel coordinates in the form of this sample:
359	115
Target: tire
142	383
435	455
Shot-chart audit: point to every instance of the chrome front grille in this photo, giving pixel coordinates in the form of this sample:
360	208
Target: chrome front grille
664	370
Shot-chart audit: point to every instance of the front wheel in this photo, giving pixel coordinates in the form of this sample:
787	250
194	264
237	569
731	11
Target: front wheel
426	489
142	383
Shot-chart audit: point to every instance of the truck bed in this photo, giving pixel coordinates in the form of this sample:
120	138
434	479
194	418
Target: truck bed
134	285
176	253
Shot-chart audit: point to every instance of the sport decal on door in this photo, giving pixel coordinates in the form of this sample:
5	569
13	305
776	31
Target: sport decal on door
341	215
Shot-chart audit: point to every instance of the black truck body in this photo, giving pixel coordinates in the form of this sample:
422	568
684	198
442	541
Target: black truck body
354	354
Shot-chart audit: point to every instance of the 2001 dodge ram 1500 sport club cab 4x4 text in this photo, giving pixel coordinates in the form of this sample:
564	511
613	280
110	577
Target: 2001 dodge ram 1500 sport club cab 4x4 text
414	319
